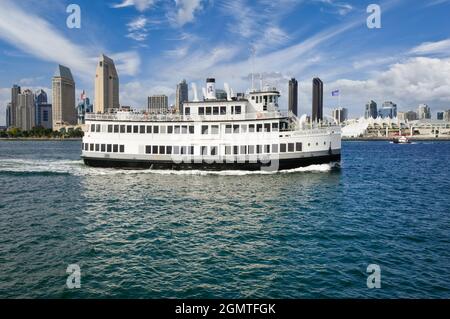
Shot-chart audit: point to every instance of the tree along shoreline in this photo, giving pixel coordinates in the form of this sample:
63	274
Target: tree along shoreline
40	133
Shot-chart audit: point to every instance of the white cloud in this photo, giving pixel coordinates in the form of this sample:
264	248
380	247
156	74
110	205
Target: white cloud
186	10
141	5
137	29
342	8
440	47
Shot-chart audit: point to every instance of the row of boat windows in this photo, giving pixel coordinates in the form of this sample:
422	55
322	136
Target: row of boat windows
227	150
106	148
215	110
185	129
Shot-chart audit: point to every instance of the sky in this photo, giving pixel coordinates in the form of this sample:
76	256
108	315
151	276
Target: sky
157	43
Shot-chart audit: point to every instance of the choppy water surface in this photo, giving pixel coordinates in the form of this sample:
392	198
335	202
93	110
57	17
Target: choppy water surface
307	233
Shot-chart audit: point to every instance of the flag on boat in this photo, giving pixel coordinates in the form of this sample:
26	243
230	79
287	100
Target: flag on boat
335	93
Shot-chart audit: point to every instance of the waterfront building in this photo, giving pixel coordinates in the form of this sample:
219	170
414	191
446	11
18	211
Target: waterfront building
181	96
8	115
293	96
340	115
43	110
15	91
424	112
158	104
106	86
440	116
371	110
388	110
317	100
83	107
447	116
25	111
63	92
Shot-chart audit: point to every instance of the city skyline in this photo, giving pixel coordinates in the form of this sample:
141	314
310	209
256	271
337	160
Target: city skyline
153	54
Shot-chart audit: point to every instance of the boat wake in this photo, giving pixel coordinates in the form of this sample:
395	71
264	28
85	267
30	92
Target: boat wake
77	168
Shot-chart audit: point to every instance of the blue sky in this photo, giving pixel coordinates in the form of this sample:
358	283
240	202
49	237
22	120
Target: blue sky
157	43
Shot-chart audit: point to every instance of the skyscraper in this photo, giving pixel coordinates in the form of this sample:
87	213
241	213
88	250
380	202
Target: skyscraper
440	116
84	106
63	92
317	100
15	91
158	103
388	110
293	96
340	114
371	110
106	86
424	112
25	111
43	110
182	95
8	115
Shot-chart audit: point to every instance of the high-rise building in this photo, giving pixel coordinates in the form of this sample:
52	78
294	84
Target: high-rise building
25	111
424	112
84	106
63	92
388	110
158	104
371	110
440	116
340	114
447	116
317	100
106	86
182	95
15	91
293	96
8	115
43	110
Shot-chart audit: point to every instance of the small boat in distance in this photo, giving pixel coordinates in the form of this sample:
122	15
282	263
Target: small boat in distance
401	140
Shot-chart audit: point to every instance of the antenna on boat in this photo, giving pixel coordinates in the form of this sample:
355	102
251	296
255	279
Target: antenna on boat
252	57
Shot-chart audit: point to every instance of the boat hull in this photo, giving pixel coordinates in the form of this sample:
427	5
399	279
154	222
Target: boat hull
282	164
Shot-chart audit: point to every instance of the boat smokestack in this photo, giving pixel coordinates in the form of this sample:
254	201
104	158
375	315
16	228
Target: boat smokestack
210	89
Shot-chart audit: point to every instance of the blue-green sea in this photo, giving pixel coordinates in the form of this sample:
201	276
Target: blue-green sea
304	234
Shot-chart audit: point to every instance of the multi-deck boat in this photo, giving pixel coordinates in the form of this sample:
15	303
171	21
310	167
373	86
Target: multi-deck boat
242	132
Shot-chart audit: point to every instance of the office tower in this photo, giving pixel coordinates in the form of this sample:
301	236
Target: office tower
388	110
371	110
158	104
424	112
15	91
182	95
293	96
340	115
106	86
440	116
84	106
63	92
317	100
8	115
25	111
411	116
43	110
447	116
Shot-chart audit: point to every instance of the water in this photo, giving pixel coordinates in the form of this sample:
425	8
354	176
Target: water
309	233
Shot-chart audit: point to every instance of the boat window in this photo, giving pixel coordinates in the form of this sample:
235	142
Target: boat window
227	150
237	109
208	110
201	111
162	129
251	128
274	127
204	150
149	129
91	147
191	150
283	148
259	127
162	150
258	149
223	110
204	129
243	128
243	149
116	128
267	127
122	148
169	150
135	129
129	129
93	128
110	128
267	149
232	110
98	128
251	149
176	150
177	130
228	128
155	129
187	111
274	148
214	129
122	129
115	148
290	147
148	149
191	129
142	129
236	150
97	147
183	150
109	148
103	148
235	128
213	150
184	129
169	129
215	110
154	149
298	147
